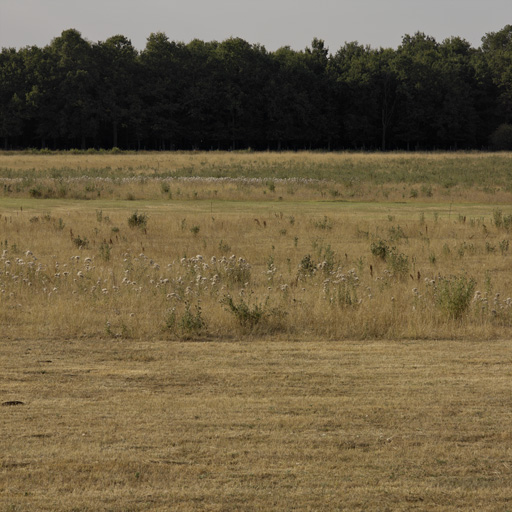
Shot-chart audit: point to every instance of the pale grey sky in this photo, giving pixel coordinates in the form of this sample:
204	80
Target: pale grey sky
273	23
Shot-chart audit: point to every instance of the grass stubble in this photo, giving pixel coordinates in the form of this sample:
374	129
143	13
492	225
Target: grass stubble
316	425
343	380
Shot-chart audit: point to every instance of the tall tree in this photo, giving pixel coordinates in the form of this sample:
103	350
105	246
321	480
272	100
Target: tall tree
76	95
355	69
240	84
160	62
116	60
12	94
457	119
497	50
420	90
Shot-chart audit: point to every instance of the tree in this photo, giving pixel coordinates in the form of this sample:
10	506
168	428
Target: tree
12	92
116	60
241	82
322	117
67	91
160	91
420	91
287	105
366	84
497	50
457	119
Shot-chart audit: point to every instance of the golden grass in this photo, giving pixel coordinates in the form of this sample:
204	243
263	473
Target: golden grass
133	425
291	269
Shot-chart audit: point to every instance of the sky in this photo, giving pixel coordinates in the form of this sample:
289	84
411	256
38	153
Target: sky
272	23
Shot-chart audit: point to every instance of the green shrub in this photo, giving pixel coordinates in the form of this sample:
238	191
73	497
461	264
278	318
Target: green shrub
248	316
138	220
453	295
105	251
81	243
35	192
497	216
307	266
189	323
500	220
398	264
380	249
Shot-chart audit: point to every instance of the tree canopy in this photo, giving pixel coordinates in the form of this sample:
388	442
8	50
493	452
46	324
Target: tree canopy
233	95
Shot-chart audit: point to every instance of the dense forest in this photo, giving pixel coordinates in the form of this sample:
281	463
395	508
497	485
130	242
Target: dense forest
234	95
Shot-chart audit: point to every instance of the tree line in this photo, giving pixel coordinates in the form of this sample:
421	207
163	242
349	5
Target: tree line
234	95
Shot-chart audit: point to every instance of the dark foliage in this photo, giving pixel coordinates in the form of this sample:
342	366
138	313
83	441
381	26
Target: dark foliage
235	95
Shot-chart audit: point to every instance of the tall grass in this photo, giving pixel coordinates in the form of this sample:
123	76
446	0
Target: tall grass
252	269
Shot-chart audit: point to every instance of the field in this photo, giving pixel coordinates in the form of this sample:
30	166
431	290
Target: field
243	331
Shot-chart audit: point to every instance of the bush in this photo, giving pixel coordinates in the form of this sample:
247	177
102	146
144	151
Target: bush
35	192
81	243
380	249
189	323
398	264
137	220
234	271
105	251
307	266
453	295
247	316
500	220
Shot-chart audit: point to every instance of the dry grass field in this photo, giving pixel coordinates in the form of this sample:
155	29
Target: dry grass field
239	331
208	270
266	425
389	177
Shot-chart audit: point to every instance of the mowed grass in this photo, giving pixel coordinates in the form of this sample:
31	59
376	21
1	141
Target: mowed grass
265	425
